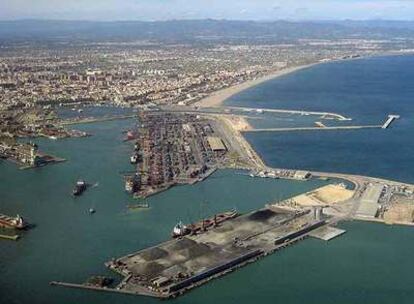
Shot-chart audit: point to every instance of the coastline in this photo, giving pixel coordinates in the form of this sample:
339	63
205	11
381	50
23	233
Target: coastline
217	98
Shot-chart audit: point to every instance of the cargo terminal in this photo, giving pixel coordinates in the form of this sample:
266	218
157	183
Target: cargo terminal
173	267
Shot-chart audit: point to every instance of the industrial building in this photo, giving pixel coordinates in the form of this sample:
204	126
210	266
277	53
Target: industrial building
216	143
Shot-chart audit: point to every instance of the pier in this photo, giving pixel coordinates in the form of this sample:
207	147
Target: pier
319	128
325	115
389	121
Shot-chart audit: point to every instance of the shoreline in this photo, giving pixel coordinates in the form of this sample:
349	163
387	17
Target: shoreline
217	98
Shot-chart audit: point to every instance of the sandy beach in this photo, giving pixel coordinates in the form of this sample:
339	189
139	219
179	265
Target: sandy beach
217	98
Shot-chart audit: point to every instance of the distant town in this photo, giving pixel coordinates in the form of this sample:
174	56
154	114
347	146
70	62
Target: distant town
36	80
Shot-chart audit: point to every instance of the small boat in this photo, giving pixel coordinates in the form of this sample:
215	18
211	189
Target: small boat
92	211
80	187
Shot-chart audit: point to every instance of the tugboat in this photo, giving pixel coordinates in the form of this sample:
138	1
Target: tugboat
180	230
80	187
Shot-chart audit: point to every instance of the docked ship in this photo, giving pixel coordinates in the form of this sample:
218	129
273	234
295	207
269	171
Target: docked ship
80	187
134	159
132	183
12	222
130	135
137	146
181	230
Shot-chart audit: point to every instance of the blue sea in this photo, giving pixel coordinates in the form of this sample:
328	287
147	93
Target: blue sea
367	90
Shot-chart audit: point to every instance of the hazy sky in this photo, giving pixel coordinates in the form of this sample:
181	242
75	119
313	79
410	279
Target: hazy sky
196	9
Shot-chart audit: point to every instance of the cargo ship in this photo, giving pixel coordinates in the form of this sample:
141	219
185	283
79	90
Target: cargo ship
12	222
181	230
80	187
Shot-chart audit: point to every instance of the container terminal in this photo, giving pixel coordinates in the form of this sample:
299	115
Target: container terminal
173	148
